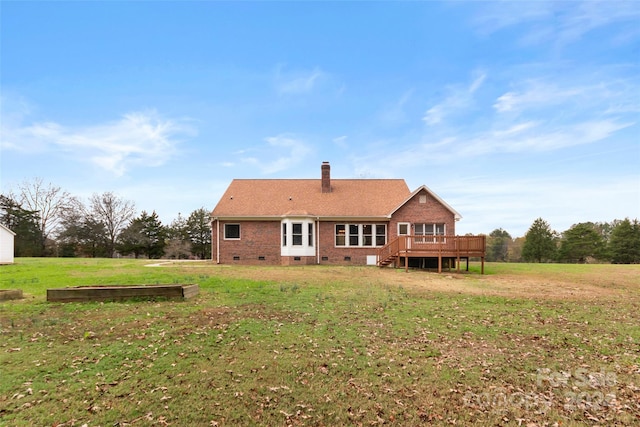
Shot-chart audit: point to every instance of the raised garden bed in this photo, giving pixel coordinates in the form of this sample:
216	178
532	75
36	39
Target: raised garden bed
7	294
122	292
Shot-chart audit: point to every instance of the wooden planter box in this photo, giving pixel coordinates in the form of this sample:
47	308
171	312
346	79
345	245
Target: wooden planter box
7	294
122	292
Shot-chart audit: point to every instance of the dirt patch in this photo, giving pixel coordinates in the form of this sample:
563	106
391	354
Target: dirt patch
10	294
517	286
584	283
225	315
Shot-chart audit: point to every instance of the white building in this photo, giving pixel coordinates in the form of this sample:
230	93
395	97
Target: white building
6	245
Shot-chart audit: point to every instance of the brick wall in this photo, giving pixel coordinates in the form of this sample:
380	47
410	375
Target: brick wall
415	212
336	255
260	240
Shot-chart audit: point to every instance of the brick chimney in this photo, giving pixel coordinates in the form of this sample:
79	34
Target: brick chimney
326	177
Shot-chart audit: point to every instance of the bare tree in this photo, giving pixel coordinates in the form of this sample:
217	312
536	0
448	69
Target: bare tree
50	203
114	213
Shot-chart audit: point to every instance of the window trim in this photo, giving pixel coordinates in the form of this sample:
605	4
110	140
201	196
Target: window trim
239	231
348	236
297	237
384	235
429	237
284	234
408	225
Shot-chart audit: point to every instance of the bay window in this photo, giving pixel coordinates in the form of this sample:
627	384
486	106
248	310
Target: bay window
298	237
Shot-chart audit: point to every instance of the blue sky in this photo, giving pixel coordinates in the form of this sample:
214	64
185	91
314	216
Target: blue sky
508	110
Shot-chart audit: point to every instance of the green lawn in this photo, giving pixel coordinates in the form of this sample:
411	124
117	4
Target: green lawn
323	346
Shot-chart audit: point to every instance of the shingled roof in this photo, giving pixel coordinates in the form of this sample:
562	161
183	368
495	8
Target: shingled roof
348	198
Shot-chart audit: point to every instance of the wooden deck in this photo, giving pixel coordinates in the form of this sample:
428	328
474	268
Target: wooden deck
436	247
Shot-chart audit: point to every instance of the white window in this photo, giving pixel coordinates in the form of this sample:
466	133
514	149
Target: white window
367	235
428	230
284	234
360	235
297	237
341	233
296	234
381	234
354	235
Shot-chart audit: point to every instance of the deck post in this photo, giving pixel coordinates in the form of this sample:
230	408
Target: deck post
453	250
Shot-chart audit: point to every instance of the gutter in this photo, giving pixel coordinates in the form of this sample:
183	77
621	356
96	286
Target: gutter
217	220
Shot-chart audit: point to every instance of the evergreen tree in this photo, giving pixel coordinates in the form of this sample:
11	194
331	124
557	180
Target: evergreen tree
540	242
154	233
178	244
498	244
199	232
28	241
131	240
84	236
580	242
624	244
145	235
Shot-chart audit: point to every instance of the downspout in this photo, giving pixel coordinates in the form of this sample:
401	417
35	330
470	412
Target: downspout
217	241
211	228
318	240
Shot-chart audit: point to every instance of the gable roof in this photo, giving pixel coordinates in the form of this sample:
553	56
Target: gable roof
361	198
455	213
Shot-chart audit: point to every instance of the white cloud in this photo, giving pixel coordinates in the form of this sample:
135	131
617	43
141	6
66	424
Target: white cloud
297	82
560	23
516	129
541	94
502	14
534	137
341	141
137	139
535	116
487	203
394	114
459	98
591	15
283	152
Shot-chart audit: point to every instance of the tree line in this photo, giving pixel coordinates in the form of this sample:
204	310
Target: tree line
616	242
49	221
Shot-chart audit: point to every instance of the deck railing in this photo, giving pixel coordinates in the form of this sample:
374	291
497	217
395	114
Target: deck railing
433	246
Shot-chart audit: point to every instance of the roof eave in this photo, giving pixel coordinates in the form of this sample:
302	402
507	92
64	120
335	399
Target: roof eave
343	218
455	213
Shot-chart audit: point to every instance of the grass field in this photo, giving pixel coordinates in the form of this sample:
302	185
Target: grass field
524	345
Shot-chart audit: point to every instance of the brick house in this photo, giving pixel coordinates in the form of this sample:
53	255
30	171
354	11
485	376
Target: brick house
331	221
